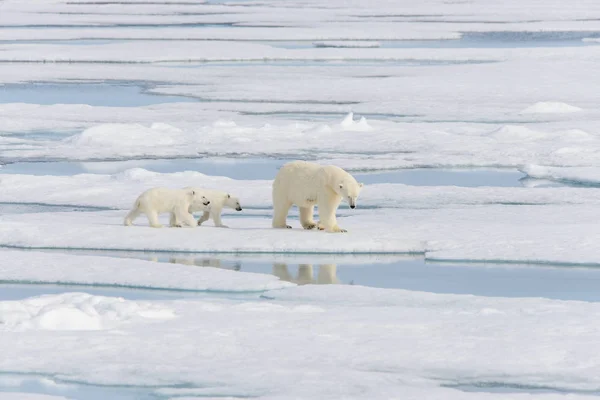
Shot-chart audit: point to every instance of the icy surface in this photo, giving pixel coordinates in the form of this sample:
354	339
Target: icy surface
497	233
448	223
74	312
581	175
511	342
550	107
368	86
391	145
37	267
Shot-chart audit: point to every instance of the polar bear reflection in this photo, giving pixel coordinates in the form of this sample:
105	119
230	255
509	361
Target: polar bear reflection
205	262
327	274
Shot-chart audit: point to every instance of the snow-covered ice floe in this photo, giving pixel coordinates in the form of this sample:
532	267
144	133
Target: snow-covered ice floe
585	176
76	311
364	343
549	107
63	269
492	233
391	145
443	223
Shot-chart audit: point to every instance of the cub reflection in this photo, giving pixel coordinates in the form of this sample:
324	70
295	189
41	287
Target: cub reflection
205	262
327	274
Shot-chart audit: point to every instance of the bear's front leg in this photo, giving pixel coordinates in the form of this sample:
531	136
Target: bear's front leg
306	217
216	217
328	221
337	229
203	218
332	229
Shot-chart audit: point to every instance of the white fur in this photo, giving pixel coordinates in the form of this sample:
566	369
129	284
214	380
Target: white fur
218	200
307	184
163	200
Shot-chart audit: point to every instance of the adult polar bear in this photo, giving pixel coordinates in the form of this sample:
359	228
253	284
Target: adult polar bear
307	184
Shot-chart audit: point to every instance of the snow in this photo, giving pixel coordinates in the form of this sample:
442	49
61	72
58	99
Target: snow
391	145
76	311
53	268
374	343
550	107
126	135
368	86
449	223
490	233
579	175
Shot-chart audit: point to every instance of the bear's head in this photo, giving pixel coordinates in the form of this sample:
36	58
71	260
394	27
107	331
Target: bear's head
349	189
233	202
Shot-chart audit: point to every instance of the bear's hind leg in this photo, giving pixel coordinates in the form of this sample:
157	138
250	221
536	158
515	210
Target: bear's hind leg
131	216
183	216
306	217
280	212
153	219
173	220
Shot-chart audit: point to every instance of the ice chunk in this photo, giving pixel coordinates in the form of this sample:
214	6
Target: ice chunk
348	124
575	175
550	107
134	135
75	311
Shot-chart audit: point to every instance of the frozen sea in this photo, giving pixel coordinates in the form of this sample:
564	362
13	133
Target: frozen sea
471	267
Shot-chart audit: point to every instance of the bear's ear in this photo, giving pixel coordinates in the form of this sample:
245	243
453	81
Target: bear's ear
228	196
360	184
341	185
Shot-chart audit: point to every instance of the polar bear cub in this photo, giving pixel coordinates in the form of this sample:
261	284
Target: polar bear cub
163	200
218	200
307	184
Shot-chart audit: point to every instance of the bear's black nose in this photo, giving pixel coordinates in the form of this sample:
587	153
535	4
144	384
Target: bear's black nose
239	209
352	206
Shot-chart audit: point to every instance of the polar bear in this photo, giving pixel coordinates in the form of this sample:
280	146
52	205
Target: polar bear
217	199
163	200
307	184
